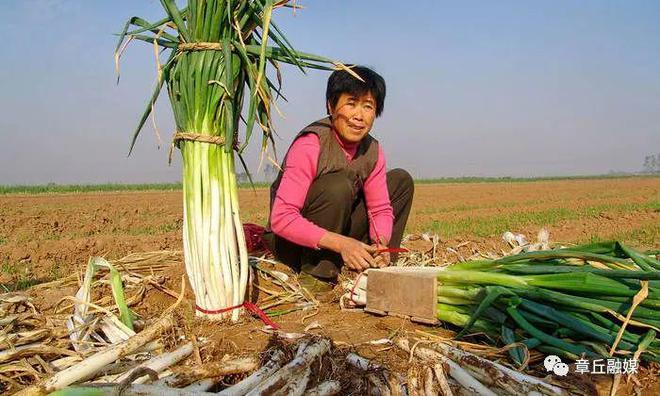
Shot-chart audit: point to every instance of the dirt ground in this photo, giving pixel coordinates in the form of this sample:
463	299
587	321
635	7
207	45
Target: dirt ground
46	237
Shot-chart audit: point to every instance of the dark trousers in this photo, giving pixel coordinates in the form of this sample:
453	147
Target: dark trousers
333	203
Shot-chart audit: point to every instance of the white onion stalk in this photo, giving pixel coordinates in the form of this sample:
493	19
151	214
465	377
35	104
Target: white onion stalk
268	369
396	385
327	388
211	235
381	386
300	363
442	379
201	385
361	363
159	363
216	65
76	323
429	384
65	362
227	366
455	371
99	360
355	290
296	385
497	375
37	348
130	390
22	338
114	330
413	384
365	364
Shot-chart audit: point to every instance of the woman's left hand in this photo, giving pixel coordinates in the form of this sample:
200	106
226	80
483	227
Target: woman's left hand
383	258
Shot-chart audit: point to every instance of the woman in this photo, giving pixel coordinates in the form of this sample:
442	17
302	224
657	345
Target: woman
333	203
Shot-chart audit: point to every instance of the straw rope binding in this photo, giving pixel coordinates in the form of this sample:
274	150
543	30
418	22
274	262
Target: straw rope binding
200	46
195	137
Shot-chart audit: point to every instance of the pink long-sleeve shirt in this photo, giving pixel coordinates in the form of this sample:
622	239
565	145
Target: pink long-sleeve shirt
300	169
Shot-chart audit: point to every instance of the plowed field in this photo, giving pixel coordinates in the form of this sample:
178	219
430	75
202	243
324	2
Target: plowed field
45	236
49	236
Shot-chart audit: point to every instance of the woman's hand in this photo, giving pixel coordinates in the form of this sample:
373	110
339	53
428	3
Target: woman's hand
383	259
356	255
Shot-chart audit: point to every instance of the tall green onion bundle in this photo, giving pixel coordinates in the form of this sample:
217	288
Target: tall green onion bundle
592	301
217	51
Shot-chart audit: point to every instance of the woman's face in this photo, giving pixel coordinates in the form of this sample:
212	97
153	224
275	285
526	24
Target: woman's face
353	116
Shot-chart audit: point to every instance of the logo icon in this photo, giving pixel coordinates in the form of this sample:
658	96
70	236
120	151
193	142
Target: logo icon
553	363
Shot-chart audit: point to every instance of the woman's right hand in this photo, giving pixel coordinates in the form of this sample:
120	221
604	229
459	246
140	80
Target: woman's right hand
356	255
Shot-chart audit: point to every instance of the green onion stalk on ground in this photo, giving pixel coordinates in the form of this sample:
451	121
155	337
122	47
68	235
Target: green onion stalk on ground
592	301
217	52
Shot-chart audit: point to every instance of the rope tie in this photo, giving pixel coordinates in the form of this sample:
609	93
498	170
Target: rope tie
248	306
199	46
195	137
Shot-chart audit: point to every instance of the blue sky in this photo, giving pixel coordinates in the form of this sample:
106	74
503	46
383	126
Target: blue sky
518	88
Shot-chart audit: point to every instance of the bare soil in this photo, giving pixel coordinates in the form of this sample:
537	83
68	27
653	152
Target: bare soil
46	237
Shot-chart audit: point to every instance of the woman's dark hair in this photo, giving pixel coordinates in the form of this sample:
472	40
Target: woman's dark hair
341	81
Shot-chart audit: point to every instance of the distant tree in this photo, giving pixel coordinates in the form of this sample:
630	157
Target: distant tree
270	172
647	164
242	177
652	164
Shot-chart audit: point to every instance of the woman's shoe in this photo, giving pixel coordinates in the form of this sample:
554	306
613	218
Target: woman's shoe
314	285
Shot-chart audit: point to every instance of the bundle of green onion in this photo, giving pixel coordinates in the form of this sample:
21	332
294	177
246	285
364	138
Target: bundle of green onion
592	301
218	51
